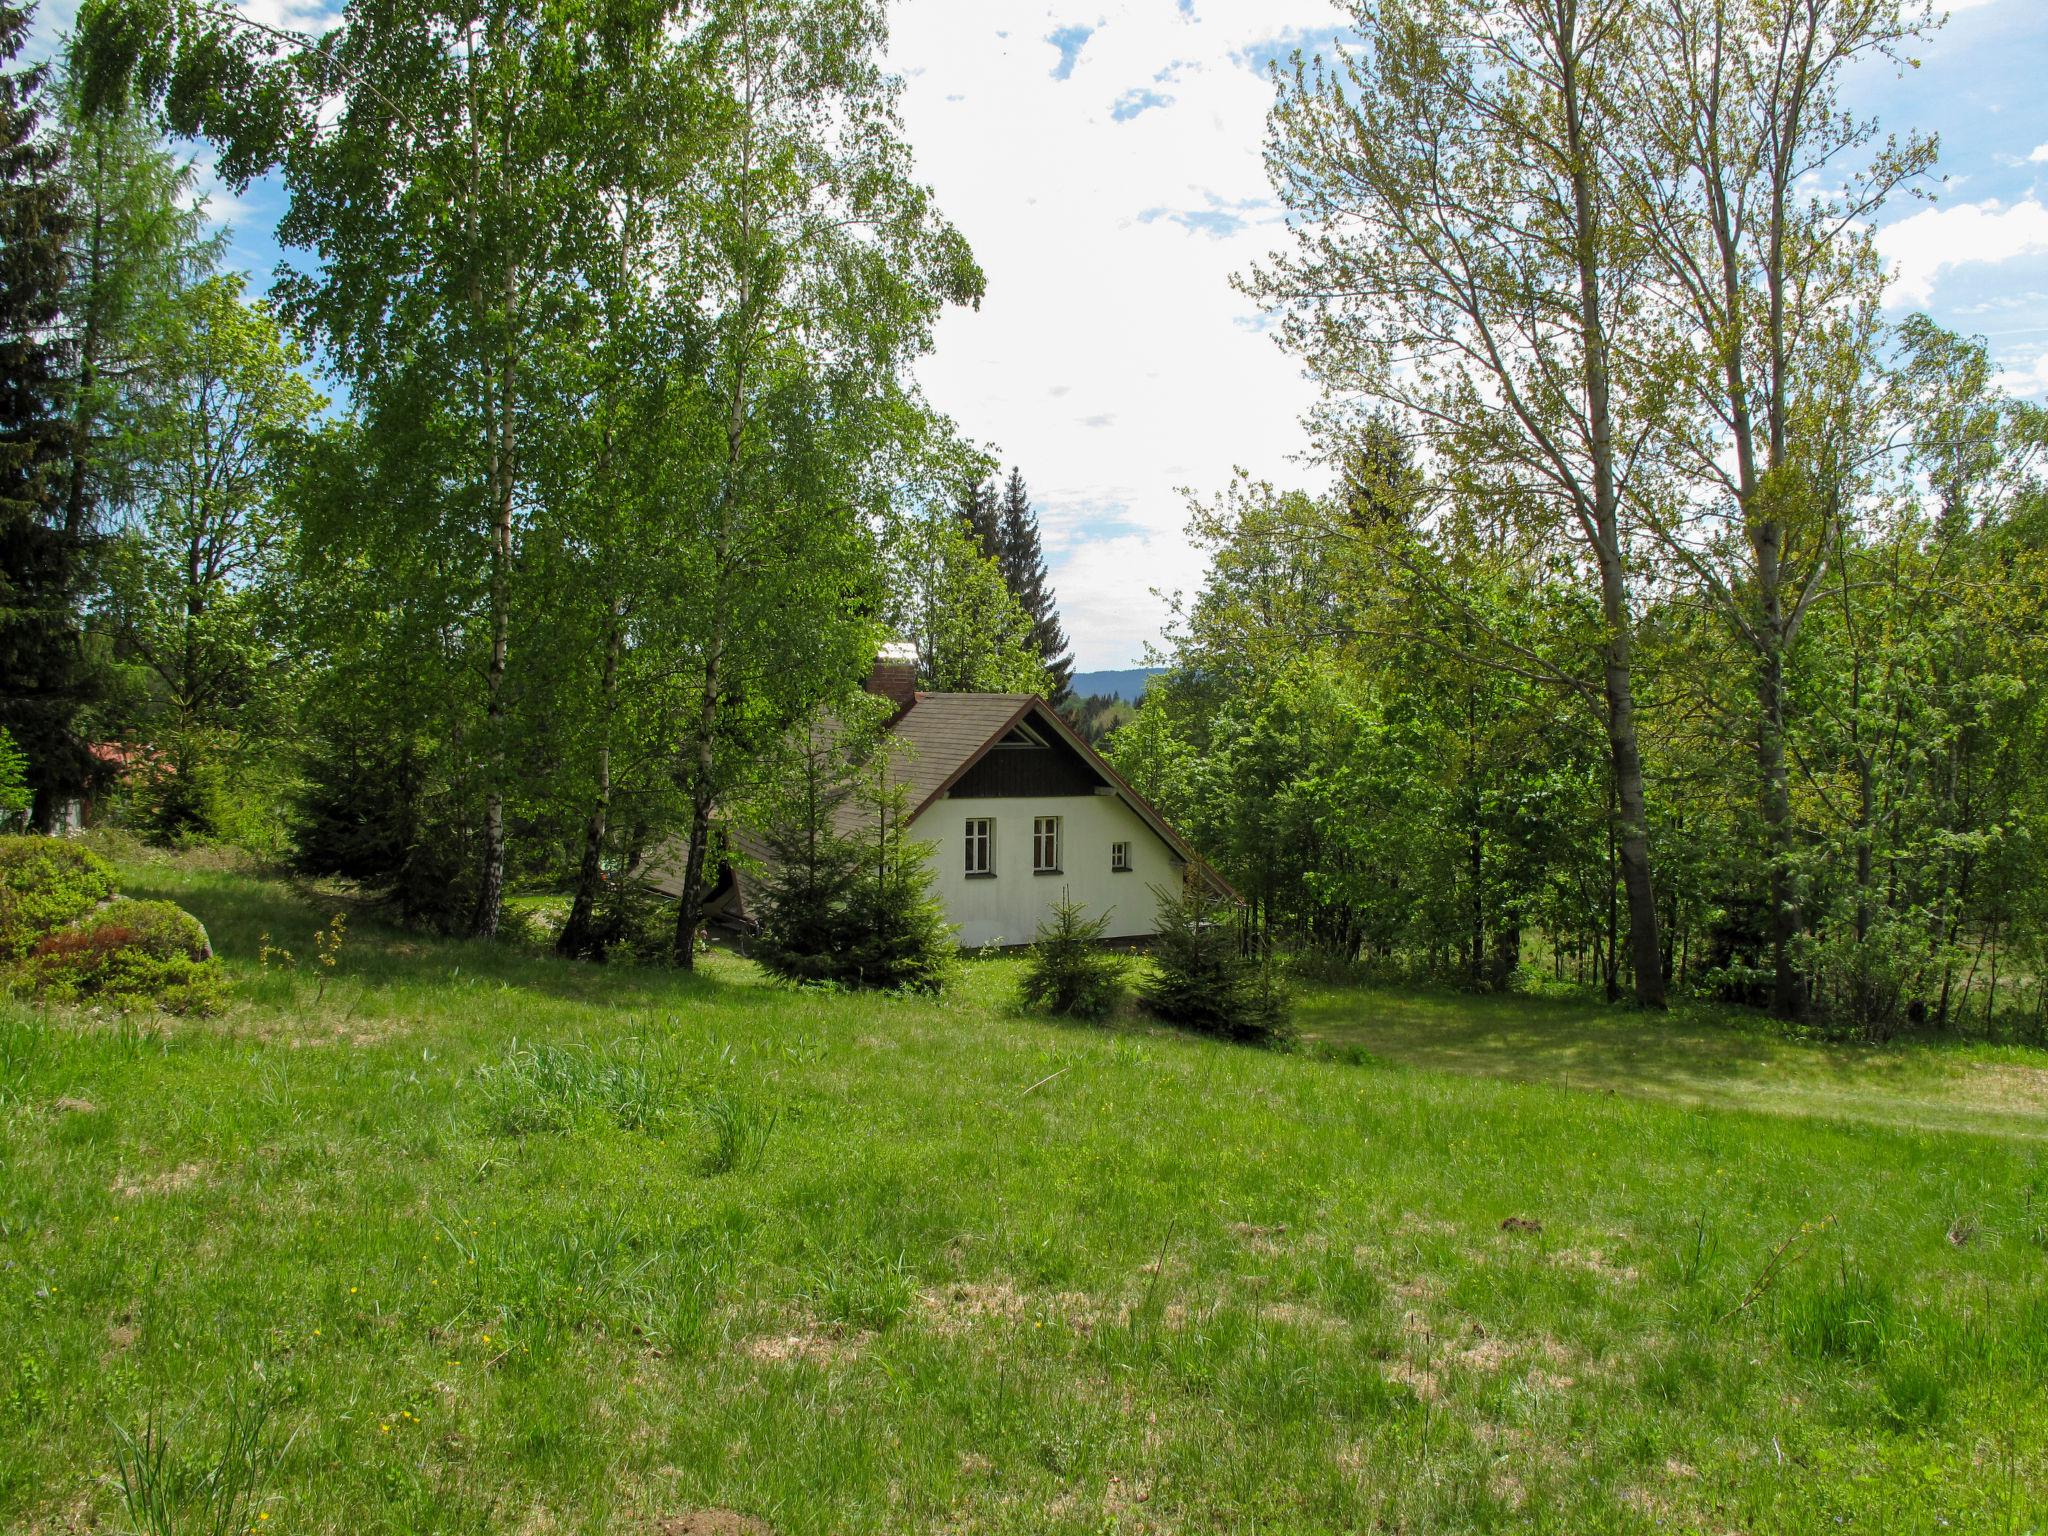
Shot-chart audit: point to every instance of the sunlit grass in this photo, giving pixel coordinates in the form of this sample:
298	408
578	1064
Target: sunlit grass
508	1245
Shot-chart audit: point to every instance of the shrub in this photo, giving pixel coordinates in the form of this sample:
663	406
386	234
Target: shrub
1068	972
1202	979
898	938
16	798
129	953
45	882
1864	988
846	910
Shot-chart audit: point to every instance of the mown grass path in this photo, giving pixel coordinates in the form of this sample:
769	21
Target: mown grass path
510	1246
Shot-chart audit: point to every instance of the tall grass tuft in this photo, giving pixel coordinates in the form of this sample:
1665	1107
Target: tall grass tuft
740	1129
555	1088
169	1490
1847	1316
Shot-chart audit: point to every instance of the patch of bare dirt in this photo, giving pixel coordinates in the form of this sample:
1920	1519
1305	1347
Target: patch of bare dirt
713	1522
1405	1373
814	1347
1260	1240
169	1182
1521	1224
2007	1085
1595	1262
953	1309
1484	1354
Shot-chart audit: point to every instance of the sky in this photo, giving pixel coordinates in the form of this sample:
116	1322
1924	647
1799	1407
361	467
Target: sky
1104	160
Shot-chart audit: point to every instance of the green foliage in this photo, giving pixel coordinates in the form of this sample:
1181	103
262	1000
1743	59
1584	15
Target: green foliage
1201	979
740	1129
1844	1315
128	954
898	938
954	605
47	679
847	897
1068	971
1005	529
46	883
15	796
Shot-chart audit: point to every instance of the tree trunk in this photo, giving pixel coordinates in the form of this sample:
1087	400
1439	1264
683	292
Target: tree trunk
703	800
579	937
1604	530
490	892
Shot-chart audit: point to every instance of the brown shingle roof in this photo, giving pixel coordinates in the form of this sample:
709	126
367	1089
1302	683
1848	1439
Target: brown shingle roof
943	733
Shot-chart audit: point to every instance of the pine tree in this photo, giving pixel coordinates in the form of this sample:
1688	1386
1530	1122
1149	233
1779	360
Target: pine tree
1068	971
897	936
814	867
1202	980
46	680
981	516
1023	563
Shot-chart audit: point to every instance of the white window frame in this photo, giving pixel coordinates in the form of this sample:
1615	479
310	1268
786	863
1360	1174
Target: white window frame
1120	858
980	838
1045	845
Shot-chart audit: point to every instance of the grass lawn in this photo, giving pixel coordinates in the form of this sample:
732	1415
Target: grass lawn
469	1241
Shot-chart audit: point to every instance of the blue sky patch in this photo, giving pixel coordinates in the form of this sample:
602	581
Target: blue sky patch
1133	102
1069	41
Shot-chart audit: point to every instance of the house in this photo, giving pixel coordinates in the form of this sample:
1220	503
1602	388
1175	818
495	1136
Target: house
1018	810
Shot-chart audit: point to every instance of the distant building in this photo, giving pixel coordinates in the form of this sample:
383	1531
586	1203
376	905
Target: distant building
1018	809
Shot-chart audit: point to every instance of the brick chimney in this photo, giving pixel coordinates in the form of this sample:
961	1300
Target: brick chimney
894	677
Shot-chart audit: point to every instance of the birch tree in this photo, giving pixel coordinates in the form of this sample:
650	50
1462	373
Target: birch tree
1750	190
1460	263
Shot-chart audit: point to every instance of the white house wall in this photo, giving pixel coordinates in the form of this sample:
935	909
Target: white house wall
1008	908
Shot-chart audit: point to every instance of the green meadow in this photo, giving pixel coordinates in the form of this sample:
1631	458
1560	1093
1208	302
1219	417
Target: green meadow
453	1238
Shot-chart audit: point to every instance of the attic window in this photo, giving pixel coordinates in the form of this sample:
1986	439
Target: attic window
1022	736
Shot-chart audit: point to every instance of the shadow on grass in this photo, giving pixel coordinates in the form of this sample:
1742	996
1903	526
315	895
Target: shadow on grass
1694	1054
242	911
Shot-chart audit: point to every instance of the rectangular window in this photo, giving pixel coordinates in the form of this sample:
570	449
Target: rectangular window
981	843
1045	845
1120	858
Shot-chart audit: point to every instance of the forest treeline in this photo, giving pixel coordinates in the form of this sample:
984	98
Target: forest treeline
1671	620
1675	618
623	476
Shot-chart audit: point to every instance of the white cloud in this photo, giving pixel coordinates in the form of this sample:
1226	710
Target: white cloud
1111	362
2039	156
1929	243
2026	379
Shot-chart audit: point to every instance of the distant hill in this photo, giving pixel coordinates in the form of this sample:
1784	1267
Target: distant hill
1128	685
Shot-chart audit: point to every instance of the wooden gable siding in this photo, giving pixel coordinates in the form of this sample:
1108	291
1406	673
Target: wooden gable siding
1008	773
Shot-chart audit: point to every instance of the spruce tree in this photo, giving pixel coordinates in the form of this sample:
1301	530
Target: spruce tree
1023	563
43	676
814	867
981	516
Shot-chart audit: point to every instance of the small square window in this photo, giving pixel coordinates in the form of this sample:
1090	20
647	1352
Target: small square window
981	843
1120	858
1045	845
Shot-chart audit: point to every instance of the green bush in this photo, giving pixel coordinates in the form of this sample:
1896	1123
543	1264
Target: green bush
853	913
1068	972
129	954
1202	979
45	882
